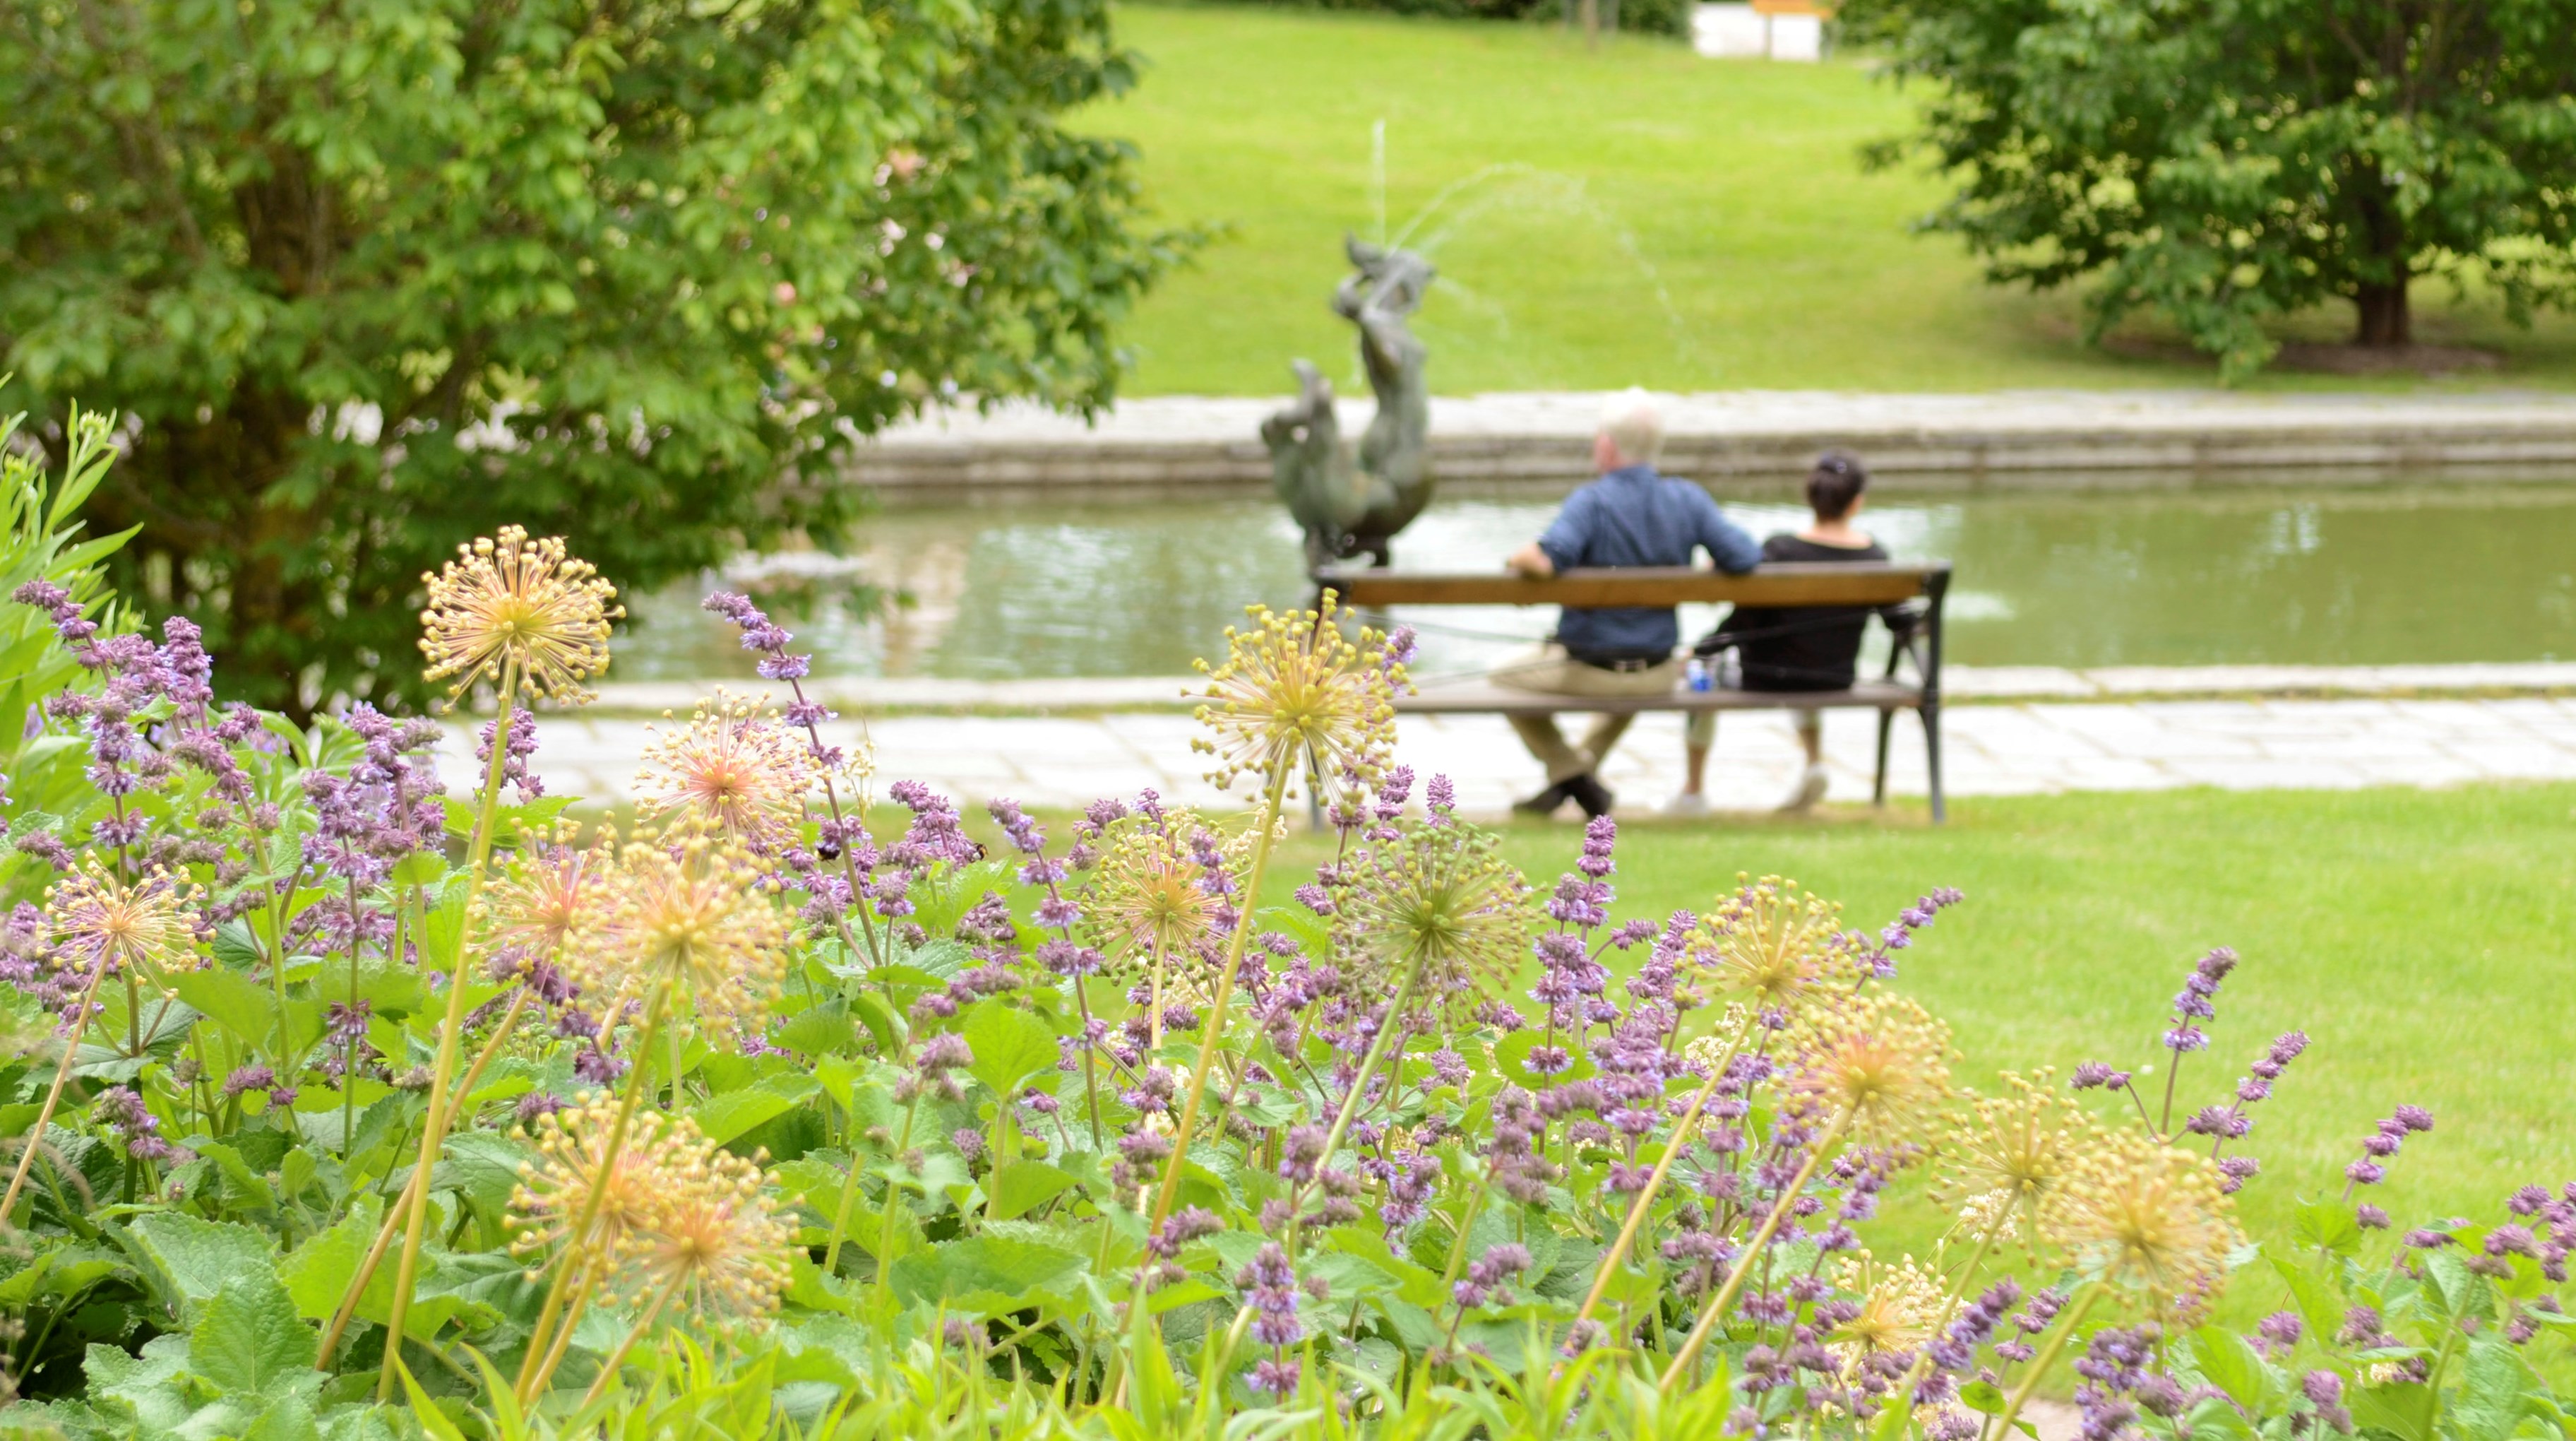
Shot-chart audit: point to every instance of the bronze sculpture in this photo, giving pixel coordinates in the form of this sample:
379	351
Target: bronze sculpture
1350	505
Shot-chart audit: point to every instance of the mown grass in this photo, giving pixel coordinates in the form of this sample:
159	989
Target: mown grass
1645	217
2421	938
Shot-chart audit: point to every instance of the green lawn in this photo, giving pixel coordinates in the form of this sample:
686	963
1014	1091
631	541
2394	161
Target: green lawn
2422	939
1635	216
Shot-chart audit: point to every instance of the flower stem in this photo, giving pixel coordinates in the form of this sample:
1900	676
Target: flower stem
53	1097
1949	1311
532	1372
1215	1022
394	1218
1753	1251
1387	1030
433	1134
2002	1425
1154	1000
634	1333
1090	1058
1683	1131
894	1197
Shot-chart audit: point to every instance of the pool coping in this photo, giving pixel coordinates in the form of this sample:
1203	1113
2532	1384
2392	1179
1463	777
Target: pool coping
2031	440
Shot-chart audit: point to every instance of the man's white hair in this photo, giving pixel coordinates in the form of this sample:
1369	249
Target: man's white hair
1635	424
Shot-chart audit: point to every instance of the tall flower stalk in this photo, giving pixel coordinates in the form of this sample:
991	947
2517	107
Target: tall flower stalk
525	615
1292	691
1438	909
1877	1062
108	928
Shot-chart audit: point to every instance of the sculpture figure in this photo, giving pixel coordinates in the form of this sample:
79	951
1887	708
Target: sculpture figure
1351	505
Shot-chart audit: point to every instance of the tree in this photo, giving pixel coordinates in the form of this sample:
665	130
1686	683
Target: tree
367	278
2228	161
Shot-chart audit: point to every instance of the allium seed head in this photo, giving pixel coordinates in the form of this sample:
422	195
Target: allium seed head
1773	945
1441	896
1292	686
2021	1148
1880	1057
510	603
1146	896
734	770
97	920
2153	1217
555	898
688	912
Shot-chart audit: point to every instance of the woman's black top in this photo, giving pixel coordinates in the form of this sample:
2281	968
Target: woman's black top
1799	647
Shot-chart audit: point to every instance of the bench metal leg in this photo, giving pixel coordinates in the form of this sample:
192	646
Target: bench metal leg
1886	730
1932	756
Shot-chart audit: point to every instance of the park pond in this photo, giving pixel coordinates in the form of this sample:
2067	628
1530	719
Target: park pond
2387	574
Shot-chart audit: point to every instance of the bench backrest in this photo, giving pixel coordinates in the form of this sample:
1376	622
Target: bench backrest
1858	583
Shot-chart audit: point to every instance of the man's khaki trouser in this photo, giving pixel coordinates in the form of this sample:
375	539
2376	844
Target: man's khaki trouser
1550	671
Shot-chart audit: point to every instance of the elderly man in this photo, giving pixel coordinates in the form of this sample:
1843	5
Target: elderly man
1630	516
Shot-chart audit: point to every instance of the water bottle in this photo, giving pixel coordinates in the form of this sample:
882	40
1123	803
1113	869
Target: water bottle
1696	673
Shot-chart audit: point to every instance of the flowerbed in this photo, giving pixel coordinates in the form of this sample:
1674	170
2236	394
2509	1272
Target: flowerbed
791	1108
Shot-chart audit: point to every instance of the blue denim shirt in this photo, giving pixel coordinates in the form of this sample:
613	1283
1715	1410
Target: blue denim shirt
1634	517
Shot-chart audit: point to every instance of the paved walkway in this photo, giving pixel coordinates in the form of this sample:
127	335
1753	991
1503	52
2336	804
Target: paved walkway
1993	749
879	695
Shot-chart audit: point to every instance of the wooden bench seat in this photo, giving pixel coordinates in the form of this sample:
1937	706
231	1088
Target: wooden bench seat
1874	584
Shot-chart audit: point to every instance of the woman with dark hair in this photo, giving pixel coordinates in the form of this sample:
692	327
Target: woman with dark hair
1794	648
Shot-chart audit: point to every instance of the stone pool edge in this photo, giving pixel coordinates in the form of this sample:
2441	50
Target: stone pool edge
2033	440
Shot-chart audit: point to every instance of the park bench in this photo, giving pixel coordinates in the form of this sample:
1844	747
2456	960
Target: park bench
1860	584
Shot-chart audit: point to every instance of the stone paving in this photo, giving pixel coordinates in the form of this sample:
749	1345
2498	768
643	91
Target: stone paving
1991	749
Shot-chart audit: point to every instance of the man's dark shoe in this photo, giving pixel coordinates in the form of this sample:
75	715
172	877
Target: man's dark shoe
1543	804
1588	792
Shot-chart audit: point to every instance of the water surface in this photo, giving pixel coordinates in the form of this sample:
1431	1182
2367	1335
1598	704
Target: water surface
2377	575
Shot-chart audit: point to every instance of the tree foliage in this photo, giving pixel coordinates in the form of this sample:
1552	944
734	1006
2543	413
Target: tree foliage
362	275
2223	162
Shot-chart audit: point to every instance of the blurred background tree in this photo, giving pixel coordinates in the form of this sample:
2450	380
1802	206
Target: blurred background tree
2225	162
367	279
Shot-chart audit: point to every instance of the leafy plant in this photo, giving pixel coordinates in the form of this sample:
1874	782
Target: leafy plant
343	1108
351	270
2225	164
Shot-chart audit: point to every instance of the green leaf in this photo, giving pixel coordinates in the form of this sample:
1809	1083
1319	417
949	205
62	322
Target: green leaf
979	1269
317	1274
243	1188
236	1002
1010	1045
2490	1403
2405	1411
724	1117
2329	1225
2230	1364
1982	1396
817	1031
288	1418
1022	1187
1511	1059
483	1165
883	1025
195	1260
2318	1305
63	1272
420	868
251	1339
2461	1292
235	946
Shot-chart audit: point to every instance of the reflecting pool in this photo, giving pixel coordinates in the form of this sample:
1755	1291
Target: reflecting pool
2376	575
